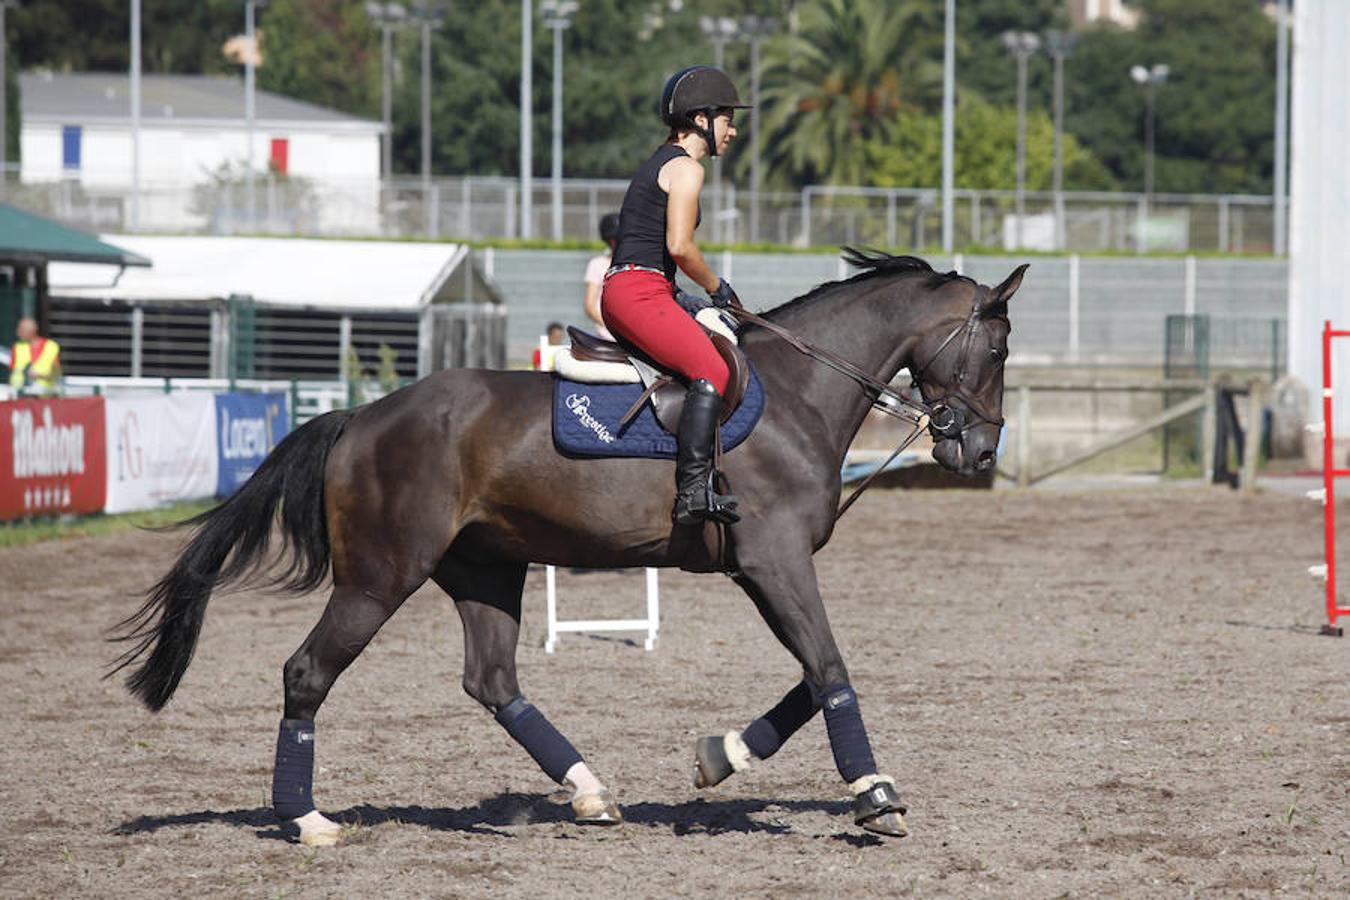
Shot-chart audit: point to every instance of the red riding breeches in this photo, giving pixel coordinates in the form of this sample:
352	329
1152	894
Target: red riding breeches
639	306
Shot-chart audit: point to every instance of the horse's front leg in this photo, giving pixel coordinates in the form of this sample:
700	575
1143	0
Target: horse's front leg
784	589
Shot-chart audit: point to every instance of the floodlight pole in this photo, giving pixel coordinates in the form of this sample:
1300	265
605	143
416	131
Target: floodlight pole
1021	44
558	18
250	76
949	126
1281	126
1059	45
387	16
135	115
4	99
758	29
526	104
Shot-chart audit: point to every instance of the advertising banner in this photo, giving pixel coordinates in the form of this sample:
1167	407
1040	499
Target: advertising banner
161	449
248	426
52	457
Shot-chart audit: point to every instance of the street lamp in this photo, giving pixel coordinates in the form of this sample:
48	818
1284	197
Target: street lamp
526	125
387	16
1021	44
250	94
557	15
135	115
4	96
756	29
428	16
719	30
949	128
1059	44
1150	78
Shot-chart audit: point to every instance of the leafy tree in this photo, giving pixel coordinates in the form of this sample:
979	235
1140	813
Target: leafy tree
179	36
1214	114
842	80
322	52
985	152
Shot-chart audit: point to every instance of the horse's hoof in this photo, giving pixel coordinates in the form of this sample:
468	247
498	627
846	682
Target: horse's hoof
596	809
877	807
711	764
318	831
890	824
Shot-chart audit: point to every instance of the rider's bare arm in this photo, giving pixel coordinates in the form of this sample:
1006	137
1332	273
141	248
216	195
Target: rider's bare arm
682	180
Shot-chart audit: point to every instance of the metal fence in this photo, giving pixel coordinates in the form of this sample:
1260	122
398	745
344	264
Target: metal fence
1070	309
485	208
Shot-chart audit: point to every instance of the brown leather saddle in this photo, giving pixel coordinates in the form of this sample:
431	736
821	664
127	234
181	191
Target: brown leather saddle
664	389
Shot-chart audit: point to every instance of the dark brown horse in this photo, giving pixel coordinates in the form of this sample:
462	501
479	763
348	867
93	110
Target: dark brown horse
456	479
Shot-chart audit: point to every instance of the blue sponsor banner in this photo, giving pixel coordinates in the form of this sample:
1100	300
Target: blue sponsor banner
248	426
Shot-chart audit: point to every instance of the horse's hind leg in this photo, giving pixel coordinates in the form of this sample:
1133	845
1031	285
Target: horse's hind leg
488	600
352	617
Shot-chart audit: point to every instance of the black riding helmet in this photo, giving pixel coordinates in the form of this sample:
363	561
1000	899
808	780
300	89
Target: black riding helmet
698	89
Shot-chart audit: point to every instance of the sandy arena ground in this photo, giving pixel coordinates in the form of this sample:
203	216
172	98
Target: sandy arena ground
1080	694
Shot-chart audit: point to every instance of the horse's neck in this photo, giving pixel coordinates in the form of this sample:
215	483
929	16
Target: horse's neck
870	324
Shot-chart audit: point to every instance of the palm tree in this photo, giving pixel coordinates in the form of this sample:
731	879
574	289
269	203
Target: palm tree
843	78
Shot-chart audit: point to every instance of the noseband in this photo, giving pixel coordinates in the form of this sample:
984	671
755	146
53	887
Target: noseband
944	420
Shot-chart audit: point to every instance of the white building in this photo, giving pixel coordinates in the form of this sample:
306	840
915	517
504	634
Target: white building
77	132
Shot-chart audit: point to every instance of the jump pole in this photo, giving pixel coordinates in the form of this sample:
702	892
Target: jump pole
1327	571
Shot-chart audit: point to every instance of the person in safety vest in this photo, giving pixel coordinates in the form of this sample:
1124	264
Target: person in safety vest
656	233
35	361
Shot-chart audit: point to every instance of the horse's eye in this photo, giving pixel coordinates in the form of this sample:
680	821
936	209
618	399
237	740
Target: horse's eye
995	354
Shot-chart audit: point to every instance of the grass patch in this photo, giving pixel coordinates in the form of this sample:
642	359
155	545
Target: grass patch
31	531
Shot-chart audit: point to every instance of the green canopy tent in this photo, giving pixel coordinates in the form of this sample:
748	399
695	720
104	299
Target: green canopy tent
28	242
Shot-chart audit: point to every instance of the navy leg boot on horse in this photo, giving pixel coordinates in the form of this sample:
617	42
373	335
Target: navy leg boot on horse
876	806
696	497
717	758
293	781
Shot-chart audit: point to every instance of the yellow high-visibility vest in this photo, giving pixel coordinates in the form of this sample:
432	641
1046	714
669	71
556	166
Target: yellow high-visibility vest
42	372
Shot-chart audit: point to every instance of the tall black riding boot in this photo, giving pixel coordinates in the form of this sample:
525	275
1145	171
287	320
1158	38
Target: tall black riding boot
696	499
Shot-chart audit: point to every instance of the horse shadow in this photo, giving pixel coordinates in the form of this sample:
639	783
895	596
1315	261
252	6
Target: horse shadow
511	809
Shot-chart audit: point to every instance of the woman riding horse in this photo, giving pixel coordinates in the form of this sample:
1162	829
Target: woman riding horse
656	233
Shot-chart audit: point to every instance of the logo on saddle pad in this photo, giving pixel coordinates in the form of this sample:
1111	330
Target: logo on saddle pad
580	405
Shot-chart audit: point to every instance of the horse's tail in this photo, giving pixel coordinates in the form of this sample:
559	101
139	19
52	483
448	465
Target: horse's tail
230	540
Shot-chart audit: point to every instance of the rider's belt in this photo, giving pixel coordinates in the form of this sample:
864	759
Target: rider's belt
631	267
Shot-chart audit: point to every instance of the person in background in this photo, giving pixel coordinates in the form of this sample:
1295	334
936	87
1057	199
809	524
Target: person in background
595	273
554	335
35	363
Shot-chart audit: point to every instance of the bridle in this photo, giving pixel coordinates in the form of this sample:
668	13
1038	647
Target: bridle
945	420
940	418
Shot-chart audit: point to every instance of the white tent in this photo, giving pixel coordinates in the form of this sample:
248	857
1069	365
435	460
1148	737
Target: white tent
355	275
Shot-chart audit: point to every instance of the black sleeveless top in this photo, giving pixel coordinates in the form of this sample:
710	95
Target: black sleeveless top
642	218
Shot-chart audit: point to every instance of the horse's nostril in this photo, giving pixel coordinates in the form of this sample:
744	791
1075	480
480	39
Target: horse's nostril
986	460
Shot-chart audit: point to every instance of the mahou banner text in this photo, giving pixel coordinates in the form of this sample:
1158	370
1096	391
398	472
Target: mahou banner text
52	457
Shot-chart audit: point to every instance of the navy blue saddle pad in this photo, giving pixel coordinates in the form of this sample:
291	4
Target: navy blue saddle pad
586	420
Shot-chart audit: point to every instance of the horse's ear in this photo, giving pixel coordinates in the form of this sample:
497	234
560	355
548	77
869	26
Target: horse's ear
997	303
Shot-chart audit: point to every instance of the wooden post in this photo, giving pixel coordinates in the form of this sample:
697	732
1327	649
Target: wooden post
1024	436
1251	447
1209	432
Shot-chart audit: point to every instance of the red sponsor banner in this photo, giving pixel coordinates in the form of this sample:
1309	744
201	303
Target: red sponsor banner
53	457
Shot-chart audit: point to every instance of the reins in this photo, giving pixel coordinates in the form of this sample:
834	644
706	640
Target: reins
891	402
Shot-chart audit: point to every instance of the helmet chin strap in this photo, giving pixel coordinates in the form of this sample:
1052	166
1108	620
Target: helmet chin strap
709	135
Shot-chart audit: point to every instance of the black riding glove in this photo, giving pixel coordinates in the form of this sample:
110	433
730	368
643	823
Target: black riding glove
724	297
691	303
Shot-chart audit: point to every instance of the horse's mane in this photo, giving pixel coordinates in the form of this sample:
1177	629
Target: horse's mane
876	264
